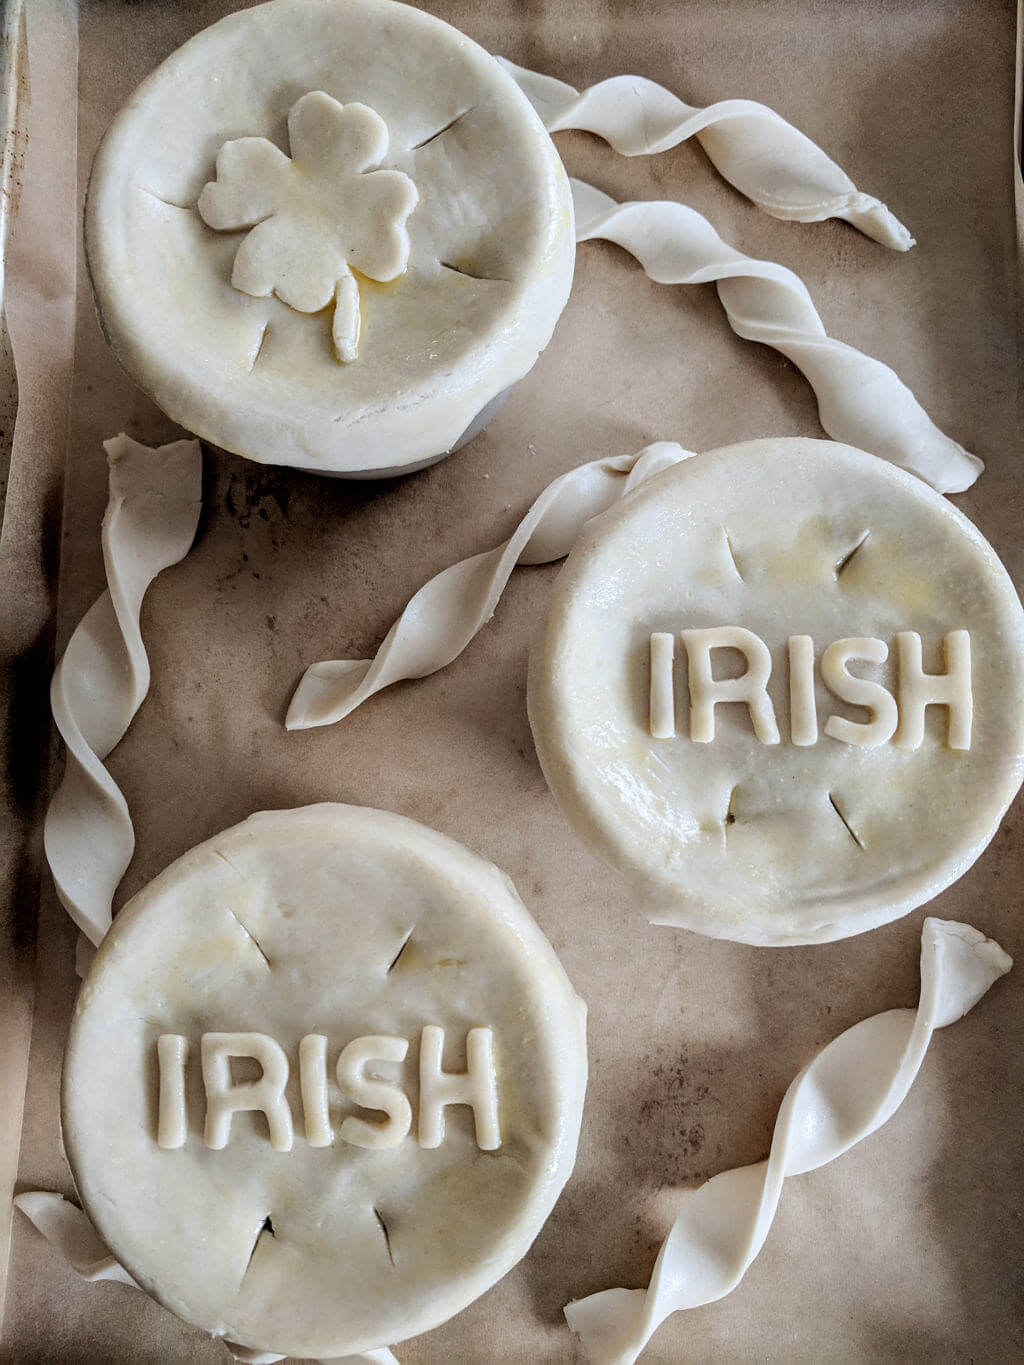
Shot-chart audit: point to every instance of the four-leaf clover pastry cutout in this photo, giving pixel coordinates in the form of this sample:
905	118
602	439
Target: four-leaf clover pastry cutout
317	215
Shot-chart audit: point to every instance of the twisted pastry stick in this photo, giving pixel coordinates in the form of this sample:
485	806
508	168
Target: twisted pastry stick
842	1096
100	683
67	1228
861	401
750	145
452	607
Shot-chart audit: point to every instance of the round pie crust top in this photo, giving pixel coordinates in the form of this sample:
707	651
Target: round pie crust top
780	687
330	234
324	1082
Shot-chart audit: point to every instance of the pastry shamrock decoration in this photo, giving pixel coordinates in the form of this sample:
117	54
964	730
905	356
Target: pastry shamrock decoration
316	216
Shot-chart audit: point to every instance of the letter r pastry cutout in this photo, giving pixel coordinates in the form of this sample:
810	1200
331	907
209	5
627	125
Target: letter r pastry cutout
750	687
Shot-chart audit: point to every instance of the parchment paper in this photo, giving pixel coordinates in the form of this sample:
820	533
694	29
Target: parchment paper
910	1247
39	305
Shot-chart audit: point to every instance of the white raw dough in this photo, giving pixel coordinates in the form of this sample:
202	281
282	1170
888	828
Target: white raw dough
287	925
435	346
752	146
737	838
861	401
103	677
848	1091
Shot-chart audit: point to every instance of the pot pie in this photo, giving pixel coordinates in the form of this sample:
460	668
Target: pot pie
781	687
330	234
324	1082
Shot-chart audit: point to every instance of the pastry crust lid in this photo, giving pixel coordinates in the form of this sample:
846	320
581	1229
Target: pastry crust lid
252	374
777	843
289	924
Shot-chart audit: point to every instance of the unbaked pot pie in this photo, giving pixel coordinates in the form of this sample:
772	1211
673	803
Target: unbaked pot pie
330	234
781	687
324	1082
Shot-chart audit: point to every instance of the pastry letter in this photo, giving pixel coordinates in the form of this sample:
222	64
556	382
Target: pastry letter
225	1097
751	687
313	1084
951	689
476	1086
172	1123
663	702
859	692
803	714
374	1094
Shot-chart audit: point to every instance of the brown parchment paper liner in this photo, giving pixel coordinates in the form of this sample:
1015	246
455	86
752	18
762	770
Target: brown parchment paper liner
39	302
907	1247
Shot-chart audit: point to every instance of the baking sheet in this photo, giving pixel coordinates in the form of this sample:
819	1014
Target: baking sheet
908	1248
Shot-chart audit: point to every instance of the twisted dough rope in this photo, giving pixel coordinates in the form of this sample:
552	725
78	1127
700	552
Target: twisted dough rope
861	401
452	607
103	677
750	145
843	1095
67	1228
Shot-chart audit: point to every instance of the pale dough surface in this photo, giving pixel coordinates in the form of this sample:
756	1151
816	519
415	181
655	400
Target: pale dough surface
492	243
329	893
751	536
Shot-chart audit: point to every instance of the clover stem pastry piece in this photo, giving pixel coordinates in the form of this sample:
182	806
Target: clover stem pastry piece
329	234
323	1083
860	400
848	1091
781	688
750	145
103	676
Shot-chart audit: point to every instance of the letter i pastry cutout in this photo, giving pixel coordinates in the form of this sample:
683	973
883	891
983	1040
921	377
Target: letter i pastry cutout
663	701
313	1086
803	711
172	1122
